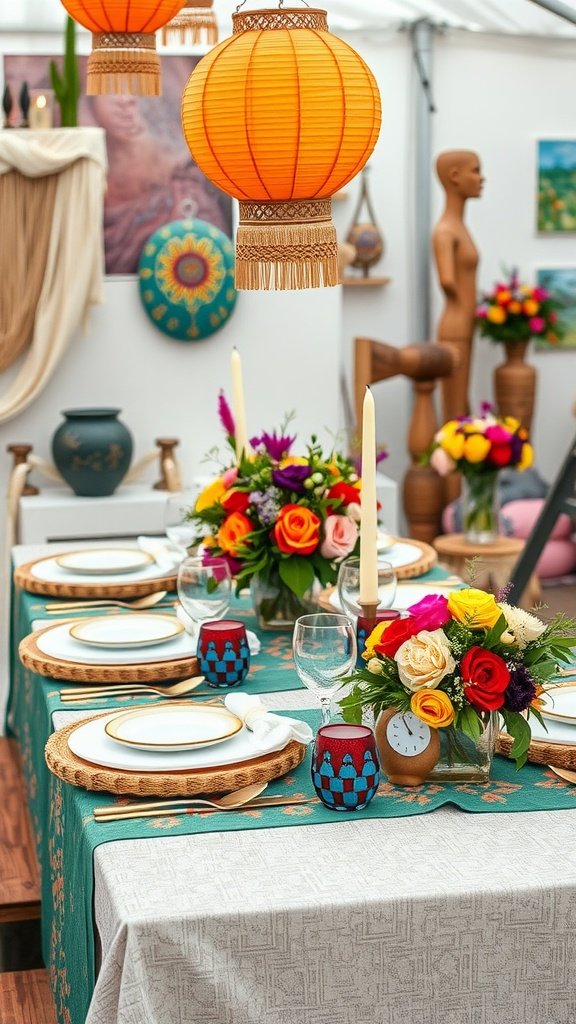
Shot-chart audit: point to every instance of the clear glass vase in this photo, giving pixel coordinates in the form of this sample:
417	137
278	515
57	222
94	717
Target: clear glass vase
276	606
463	759
480	507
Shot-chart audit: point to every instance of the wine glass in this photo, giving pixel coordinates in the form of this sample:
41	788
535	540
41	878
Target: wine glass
204	590
349	585
180	531
324	649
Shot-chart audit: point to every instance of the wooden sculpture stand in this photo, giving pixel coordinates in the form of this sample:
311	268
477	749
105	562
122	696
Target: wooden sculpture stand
495	563
424	364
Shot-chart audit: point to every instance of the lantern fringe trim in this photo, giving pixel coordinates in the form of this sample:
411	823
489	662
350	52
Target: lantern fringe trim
123	63
286	246
195	23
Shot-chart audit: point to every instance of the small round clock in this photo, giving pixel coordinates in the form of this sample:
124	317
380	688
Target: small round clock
408	747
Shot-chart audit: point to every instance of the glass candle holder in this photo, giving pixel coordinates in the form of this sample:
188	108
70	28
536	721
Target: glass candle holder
41	113
223	653
345	766
364	627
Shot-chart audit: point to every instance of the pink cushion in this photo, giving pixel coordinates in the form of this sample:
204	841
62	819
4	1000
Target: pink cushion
523	514
557	559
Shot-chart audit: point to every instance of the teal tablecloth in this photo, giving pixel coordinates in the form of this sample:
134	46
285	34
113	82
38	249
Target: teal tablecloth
66	833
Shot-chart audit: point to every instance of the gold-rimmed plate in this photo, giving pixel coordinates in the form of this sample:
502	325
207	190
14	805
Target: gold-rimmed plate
173	728
558	704
104	561
134	630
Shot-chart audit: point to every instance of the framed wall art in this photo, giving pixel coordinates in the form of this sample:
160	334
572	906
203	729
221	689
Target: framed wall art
556	186
561	283
152	178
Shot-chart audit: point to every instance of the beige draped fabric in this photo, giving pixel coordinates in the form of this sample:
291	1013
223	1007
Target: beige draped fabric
72	278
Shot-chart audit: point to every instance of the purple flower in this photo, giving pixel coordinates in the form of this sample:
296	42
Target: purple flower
267	505
486	407
225	414
521	689
219	574
432	611
277	447
291	478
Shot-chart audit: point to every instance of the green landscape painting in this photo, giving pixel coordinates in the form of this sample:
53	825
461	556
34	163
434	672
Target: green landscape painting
556	185
561	283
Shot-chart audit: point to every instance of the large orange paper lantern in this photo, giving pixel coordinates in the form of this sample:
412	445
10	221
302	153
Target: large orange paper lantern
280	116
123	57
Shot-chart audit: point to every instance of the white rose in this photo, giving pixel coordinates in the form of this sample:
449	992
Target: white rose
424	660
523	626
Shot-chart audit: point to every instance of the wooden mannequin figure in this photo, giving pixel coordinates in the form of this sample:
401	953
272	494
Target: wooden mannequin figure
456	259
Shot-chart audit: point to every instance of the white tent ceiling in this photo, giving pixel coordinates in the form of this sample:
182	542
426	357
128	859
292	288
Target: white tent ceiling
521	17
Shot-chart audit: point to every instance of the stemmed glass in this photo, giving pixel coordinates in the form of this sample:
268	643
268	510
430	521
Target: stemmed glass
204	590
324	649
180	531
349	585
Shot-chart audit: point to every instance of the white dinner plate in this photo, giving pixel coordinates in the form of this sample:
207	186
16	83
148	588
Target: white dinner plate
384	541
48	570
401	553
170	728
406	594
555	732
104	561
559	704
90	742
58	643
135	630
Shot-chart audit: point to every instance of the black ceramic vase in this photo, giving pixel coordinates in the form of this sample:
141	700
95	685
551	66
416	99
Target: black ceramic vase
92	451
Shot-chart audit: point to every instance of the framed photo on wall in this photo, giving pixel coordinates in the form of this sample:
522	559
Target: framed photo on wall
556	186
152	178
561	283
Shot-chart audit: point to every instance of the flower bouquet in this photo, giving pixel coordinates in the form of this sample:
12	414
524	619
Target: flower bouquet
514	312
282	521
479	447
455	664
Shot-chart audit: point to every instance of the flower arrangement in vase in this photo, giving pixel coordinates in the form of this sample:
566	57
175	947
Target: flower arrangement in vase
513	313
479	447
439	679
283	521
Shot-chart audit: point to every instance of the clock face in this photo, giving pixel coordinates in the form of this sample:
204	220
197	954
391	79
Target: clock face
407	735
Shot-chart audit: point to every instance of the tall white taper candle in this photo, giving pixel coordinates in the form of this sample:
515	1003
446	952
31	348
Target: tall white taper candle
368	522
238	405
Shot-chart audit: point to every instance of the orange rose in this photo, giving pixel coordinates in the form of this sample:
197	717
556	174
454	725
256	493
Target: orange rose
297	530
233	532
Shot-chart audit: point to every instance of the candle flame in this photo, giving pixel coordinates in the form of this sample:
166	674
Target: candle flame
41	102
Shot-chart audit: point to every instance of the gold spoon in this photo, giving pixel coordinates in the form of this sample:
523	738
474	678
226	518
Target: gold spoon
564	773
174	690
148	601
224	803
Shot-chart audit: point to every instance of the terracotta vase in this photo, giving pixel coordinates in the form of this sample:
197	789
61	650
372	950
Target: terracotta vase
515	384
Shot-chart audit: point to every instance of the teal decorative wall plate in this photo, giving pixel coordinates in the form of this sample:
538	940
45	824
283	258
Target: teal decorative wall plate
186	274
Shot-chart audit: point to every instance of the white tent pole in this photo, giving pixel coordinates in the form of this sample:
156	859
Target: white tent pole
422	33
557	7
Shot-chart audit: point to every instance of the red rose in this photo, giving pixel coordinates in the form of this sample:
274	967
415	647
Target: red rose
500	455
236	501
340	495
485	676
396	633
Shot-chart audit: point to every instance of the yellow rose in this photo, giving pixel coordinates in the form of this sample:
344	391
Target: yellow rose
515	307
503	297
374	638
447	430
530	307
526	457
211	495
293	460
433	707
496	314
424	660
476	448
454	445
511	423
474	608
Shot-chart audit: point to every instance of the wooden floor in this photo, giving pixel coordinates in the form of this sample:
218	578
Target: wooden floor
19	877
25	998
559	597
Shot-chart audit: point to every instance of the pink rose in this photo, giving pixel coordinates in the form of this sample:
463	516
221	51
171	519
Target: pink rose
540	294
481	312
497	434
536	324
340	536
441	462
229	477
432	612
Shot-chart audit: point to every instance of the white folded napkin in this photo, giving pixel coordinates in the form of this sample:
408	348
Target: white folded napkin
191	627
166	556
271	732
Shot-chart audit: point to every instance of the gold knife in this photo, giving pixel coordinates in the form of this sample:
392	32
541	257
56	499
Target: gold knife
174	809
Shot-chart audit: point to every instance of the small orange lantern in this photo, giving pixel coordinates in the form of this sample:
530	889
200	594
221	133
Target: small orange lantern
123	57
195	23
281	116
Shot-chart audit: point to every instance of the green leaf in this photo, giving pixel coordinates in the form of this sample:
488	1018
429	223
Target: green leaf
324	570
297	573
493	635
518	728
467	721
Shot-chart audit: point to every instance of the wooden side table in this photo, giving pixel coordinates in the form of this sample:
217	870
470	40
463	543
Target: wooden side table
495	562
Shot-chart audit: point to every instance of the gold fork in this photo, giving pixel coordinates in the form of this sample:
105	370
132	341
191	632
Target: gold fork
174	807
180	689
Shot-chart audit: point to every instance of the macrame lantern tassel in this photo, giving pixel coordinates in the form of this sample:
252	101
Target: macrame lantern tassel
194	24
289	245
